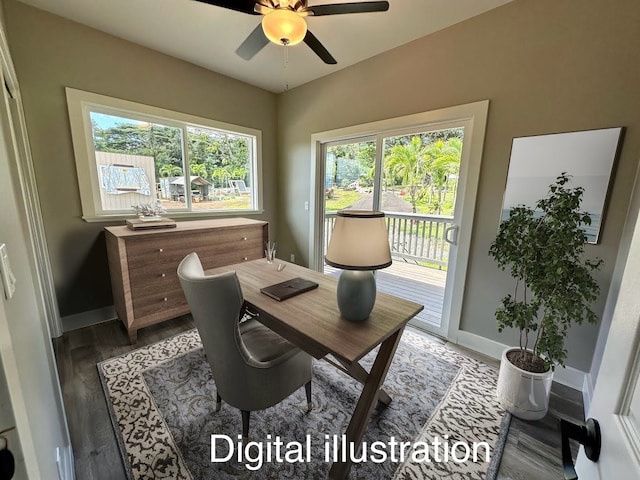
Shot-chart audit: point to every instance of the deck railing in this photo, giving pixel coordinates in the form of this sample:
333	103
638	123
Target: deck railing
412	236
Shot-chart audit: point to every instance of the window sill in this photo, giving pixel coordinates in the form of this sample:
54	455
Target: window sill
174	215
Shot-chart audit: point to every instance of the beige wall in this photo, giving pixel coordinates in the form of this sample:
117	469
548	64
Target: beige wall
51	53
546	67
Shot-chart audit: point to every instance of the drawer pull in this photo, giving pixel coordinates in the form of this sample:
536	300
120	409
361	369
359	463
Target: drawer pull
161	250
244	238
163	275
165	299
245	259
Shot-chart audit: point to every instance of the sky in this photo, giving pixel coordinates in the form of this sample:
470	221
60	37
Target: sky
107	121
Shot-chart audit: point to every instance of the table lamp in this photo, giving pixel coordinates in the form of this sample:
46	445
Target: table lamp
359	244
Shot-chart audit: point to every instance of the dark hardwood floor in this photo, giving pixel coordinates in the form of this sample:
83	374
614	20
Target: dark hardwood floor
94	443
532	450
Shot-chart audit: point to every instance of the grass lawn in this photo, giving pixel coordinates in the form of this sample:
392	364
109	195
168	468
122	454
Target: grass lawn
342	199
237	203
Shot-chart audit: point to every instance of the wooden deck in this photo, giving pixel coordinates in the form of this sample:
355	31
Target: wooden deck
419	284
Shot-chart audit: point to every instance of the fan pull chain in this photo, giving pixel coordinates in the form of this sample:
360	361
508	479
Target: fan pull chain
286	63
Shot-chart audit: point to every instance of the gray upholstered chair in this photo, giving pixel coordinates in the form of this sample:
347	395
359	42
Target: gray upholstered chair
253	367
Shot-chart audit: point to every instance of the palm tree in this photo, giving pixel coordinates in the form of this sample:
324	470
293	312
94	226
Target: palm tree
443	162
409	163
169	170
198	169
221	175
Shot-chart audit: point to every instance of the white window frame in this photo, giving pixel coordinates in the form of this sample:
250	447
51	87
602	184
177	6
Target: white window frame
81	103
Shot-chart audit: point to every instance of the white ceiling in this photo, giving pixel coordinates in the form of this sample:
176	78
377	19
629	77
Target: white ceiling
208	36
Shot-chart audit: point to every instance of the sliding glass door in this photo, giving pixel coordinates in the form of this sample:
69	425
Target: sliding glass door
413	176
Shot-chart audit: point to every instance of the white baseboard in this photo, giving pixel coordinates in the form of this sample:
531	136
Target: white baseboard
479	344
86	319
569	376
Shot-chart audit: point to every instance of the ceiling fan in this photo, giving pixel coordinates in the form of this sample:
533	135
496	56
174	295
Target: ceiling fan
283	22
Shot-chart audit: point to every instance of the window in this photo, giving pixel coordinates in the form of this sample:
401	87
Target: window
423	171
132	154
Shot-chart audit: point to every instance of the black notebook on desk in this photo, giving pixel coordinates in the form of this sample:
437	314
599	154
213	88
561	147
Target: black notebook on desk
290	288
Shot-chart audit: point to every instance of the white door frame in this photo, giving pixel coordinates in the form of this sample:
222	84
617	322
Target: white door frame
474	113
616	397
24	164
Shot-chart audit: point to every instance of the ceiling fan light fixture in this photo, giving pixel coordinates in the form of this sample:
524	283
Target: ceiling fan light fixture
284	27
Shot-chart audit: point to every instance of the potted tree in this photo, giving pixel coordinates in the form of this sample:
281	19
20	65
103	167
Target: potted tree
543	249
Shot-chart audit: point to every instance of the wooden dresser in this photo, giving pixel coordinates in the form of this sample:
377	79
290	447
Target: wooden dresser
143	263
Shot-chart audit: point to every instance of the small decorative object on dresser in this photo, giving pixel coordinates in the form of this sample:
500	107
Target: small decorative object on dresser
149	217
145	224
143	263
148	211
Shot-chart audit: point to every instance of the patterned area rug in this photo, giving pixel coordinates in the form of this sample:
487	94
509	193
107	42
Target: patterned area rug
162	404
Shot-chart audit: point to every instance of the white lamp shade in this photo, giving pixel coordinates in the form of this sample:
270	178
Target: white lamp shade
359	241
284	27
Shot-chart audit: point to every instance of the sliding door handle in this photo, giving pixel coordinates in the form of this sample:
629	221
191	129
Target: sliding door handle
587	435
451	235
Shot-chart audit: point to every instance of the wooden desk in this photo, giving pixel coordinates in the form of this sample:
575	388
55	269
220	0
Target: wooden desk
312	321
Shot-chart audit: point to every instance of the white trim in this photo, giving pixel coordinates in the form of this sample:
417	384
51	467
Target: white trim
316	206
6	63
474	145
199	214
479	344
587	394
18	131
80	103
88	318
571	377
42	266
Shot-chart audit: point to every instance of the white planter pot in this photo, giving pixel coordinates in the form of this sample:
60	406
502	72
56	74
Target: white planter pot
521	393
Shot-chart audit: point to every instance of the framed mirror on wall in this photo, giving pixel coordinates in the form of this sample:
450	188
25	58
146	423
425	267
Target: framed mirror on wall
589	157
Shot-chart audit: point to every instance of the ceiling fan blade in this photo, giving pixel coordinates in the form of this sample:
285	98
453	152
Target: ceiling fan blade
261	9
342	8
255	42
243	6
315	45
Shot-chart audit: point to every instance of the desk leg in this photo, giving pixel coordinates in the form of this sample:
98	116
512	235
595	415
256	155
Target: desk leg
367	401
358	373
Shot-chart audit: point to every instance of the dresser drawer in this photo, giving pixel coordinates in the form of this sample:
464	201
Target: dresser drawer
146	252
157	302
231	246
148	281
219	257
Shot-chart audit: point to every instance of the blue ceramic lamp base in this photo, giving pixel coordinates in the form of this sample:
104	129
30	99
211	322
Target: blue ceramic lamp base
356	294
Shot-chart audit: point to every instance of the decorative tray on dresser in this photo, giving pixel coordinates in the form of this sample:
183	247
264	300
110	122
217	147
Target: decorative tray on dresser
143	263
